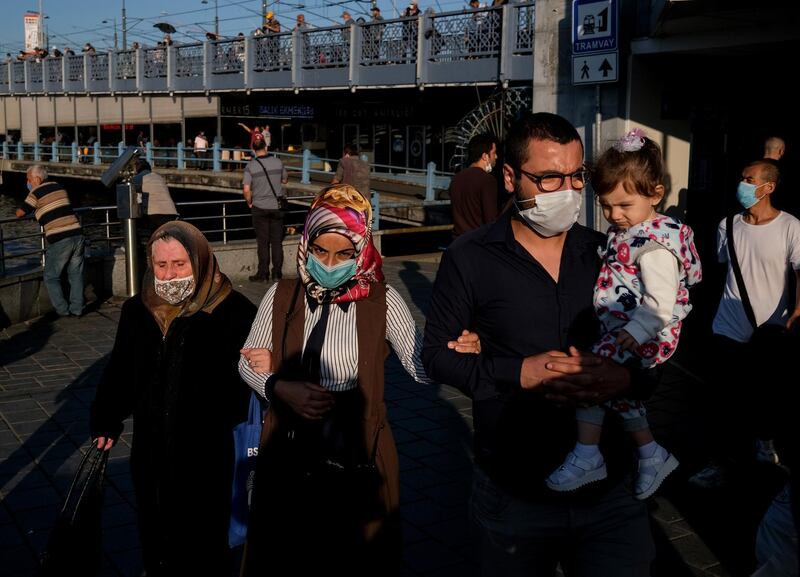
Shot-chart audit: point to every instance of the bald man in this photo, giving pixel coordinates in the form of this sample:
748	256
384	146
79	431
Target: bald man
774	148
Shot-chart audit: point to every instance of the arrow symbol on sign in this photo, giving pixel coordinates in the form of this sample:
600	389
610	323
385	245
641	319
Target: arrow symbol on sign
605	67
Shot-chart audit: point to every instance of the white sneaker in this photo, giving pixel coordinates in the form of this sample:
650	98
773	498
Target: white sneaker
577	472
652	472
766	453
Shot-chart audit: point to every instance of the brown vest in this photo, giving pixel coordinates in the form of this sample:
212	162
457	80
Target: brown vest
372	353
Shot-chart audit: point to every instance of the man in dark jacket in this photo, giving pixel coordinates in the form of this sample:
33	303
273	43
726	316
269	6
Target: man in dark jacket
473	191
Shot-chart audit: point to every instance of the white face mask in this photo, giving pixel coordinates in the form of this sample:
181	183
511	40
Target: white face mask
175	290
488	168
553	213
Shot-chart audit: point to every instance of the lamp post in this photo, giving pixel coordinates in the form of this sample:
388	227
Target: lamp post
216	16
114	21
263	12
124	27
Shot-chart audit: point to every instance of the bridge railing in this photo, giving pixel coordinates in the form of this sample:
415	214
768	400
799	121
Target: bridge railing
23	244
487	45
304	164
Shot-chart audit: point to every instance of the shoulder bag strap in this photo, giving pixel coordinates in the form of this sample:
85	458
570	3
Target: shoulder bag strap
737	272
269	180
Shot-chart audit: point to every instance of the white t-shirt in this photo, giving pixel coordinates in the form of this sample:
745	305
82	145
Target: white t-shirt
766	253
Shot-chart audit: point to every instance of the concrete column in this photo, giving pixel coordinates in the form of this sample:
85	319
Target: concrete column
546	42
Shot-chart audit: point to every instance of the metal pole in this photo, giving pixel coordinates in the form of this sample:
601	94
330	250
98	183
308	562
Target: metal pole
124	28
263	12
216	18
598	123
131	255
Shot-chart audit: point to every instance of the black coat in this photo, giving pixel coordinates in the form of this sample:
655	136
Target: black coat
185	395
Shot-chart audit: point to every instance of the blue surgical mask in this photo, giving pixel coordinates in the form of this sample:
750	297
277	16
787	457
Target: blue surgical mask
331	276
30	187
746	194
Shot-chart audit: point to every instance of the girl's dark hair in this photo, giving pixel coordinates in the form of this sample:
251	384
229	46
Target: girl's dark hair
640	171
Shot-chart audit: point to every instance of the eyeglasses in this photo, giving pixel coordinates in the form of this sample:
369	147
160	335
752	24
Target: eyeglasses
553	181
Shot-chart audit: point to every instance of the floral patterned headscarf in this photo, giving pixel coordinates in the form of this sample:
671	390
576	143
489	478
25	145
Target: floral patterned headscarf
211	286
343	210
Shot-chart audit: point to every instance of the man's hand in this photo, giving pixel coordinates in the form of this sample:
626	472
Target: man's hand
468	342
537	369
20	213
584	379
308	400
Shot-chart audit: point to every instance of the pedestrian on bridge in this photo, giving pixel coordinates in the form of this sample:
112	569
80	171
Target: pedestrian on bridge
50	204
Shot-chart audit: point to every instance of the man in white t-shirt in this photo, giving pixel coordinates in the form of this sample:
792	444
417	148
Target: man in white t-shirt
201	149
767	246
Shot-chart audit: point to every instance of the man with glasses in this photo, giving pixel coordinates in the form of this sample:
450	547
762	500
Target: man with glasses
524	284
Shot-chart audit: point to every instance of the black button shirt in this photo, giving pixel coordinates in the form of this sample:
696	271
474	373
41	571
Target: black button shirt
488	283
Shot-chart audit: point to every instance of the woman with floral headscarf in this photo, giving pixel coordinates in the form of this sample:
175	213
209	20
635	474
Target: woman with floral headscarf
326	493
174	368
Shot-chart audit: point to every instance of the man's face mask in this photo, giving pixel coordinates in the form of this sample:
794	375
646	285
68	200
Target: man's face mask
552	213
746	194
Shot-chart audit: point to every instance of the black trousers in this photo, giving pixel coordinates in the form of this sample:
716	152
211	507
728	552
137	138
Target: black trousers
268	225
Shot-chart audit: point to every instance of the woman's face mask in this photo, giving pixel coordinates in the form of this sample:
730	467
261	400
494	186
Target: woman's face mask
746	194
175	290
331	276
553	213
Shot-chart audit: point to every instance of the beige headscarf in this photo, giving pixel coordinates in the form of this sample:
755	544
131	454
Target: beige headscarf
211	286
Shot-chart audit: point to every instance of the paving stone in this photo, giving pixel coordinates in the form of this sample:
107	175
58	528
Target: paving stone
429	556
416	424
32	498
419	449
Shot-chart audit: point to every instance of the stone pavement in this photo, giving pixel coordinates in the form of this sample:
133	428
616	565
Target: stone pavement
49	367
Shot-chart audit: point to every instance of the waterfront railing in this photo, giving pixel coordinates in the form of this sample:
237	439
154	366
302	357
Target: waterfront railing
23	245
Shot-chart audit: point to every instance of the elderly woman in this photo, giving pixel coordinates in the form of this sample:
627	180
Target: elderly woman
174	368
326	494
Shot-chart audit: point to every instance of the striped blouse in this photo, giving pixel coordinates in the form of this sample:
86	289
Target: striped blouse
339	358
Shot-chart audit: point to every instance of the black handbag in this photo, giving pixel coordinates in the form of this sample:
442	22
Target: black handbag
74	546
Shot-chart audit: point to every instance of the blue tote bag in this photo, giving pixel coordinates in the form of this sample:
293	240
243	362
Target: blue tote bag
246	438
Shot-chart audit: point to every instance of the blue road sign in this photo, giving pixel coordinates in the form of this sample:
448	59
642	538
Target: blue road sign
594	26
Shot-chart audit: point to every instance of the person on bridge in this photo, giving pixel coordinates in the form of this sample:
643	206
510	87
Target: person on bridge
263	181
473	191
50	205
174	368
524	284
353	170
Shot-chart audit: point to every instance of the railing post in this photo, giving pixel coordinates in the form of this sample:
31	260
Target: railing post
224	223
429	179
54	151
20	151
208	63
305	175
5	150
172	68
2	251
96	152
424	22
148	153
37	152
376	210
112	70
354	38
298	53
139	60
250	60
508	39
120	148
74	150
215	154
181	161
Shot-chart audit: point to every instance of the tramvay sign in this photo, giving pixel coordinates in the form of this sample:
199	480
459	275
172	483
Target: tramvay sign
594	26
